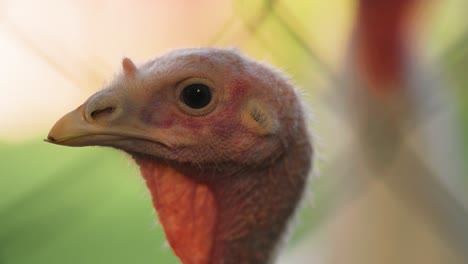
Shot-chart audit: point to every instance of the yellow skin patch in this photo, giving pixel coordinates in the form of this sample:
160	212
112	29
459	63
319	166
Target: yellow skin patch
259	118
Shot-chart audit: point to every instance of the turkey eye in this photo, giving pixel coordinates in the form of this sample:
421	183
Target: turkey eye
196	95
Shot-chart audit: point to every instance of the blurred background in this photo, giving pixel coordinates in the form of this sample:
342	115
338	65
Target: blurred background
89	205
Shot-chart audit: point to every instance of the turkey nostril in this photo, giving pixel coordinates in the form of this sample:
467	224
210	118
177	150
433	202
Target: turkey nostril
102	112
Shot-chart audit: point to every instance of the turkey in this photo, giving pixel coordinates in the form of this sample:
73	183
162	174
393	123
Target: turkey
400	196
221	141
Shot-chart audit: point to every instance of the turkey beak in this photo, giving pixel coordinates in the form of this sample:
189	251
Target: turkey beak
102	120
71	126
76	129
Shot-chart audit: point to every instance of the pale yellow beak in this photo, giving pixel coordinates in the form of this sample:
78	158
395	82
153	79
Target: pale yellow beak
74	129
71	126
99	121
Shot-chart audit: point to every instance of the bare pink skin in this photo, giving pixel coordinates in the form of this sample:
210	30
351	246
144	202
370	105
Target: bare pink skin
225	179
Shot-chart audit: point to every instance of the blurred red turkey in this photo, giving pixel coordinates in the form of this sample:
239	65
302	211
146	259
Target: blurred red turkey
400	198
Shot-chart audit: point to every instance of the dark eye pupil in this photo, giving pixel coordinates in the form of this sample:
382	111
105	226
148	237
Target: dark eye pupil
196	95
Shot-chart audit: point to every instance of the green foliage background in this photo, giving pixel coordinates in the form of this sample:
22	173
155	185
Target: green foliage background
63	205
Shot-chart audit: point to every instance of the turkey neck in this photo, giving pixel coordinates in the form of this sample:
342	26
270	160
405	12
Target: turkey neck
254	209
233	218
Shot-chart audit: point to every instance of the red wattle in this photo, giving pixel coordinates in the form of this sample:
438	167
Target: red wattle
186	209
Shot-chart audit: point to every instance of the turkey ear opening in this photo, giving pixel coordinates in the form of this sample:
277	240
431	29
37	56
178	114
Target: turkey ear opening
259	118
